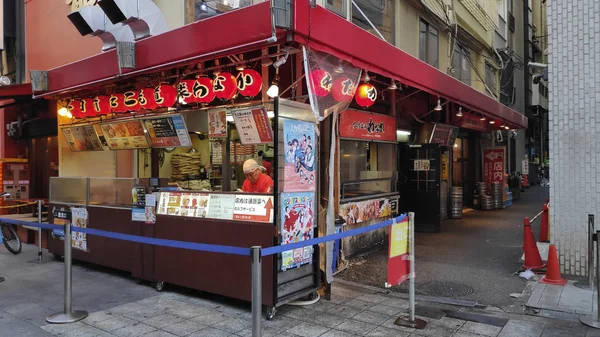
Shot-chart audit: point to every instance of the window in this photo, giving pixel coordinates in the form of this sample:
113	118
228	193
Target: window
461	64
381	15
367	168
490	77
336	6
428	44
202	9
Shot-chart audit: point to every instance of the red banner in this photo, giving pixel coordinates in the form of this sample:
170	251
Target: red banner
369	126
494	164
398	253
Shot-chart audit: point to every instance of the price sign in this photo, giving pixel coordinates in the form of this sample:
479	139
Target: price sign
62	214
253	126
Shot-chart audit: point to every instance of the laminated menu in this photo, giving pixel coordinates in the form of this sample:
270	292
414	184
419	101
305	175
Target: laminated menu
82	138
125	135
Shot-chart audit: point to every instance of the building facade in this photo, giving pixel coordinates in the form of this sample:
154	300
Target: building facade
574	97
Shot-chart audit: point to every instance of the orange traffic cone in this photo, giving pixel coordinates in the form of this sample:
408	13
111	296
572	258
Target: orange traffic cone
533	260
553	271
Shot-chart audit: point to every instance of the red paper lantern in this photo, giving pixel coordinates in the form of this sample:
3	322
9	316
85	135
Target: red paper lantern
130	100
117	103
366	95
203	90
74	107
321	82
146	99
343	89
87	107
185	89
165	95
224	86
101	105
249	82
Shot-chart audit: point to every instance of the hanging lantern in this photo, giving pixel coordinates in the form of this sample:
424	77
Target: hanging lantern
146	99
224	86
366	95
249	82
203	90
343	89
321	82
185	90
101	105
74	107
165	95
130	100
87	107
117	104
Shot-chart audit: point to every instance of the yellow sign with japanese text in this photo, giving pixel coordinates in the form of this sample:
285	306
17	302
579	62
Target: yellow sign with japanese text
399	239
444	168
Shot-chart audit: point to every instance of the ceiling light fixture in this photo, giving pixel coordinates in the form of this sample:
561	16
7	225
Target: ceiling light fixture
274	88
393	85
438	107
339	69
459	113
365	76
492	121
482	118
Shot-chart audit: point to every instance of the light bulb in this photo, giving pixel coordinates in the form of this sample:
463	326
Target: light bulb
273	91
482	118
69	115
459	113
63	111
438	107
492	121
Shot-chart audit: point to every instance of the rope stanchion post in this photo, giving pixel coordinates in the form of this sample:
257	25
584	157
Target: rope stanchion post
412	321
39	214
590	256
255	253
68	316
591	321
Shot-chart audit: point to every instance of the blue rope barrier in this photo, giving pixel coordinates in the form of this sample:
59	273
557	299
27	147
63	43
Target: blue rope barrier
210	247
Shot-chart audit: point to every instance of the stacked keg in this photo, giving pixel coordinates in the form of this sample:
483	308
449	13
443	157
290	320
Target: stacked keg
498	195
456	200
486	201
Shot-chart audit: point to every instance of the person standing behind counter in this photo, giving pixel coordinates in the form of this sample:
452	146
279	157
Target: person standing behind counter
256	181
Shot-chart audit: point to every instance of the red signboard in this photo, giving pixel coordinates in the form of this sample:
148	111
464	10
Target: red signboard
473	123
398	253
494	164
369	126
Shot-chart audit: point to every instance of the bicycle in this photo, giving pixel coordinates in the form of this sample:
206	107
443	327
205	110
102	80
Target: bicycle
9	236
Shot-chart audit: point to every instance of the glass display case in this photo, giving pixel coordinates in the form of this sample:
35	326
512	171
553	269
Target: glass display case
105	192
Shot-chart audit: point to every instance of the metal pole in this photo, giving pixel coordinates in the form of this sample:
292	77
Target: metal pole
592	321
68	316
39	208
255	252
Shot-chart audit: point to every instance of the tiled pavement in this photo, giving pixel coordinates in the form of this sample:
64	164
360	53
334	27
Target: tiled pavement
120	307
566	299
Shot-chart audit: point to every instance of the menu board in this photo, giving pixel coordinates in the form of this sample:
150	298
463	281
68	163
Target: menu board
167	131
125	135
443	134
253	126
82	138
245	207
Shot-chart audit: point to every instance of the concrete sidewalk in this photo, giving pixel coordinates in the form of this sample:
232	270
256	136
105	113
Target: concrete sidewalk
120	307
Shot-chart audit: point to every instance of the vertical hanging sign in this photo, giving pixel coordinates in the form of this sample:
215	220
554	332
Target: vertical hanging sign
494	162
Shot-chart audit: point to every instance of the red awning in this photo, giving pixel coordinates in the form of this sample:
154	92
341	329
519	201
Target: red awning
236	31
15	91
324	30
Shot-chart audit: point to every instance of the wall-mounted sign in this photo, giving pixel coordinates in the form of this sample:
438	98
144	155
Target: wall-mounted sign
494	164
368	126
253	125
357	212
473	122
82	138
444	167
167	131
125	135
422	165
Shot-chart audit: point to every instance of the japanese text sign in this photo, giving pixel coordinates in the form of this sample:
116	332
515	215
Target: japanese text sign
494	159
253	126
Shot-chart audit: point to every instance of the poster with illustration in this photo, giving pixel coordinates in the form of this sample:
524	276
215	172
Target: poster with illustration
297	215
217	123
79	219
300	156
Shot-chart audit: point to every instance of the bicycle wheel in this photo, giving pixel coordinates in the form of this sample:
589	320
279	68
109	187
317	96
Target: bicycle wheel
11	239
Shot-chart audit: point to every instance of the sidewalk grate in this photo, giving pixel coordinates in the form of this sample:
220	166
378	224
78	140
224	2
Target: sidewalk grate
445	289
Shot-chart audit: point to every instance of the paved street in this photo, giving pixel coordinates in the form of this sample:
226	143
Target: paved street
473	258
120	307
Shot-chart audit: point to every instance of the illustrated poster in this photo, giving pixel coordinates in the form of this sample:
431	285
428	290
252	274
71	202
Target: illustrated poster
300	156
217	123
297	225
357	212
79	219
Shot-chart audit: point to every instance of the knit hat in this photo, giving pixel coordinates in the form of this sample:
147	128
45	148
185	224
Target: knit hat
251	165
